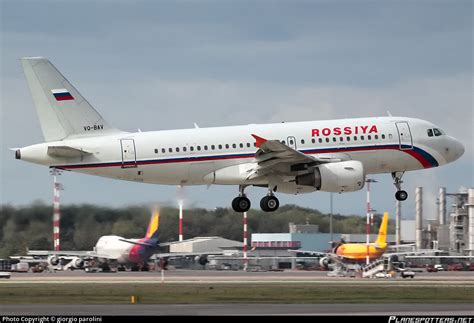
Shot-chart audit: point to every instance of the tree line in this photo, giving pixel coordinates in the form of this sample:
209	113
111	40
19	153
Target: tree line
30	226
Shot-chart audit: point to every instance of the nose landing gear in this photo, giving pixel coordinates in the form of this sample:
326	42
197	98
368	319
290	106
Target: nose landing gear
400	195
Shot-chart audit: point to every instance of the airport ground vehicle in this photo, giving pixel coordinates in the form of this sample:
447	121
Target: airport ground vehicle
407	274
5	274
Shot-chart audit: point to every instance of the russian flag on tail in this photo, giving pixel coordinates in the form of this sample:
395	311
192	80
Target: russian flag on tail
62	94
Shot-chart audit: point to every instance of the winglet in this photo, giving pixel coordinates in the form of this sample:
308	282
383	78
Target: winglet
153	225
259	140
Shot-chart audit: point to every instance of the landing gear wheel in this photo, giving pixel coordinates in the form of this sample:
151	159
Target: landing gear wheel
241	204
401	195
269	203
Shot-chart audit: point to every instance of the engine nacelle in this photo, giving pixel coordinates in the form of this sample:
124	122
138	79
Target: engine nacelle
324	262
202	260
346	176
53	260
77	263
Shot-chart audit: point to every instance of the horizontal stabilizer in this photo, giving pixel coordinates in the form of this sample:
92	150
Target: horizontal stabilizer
66	151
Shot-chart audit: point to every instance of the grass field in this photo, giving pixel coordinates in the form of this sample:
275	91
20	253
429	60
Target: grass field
169	293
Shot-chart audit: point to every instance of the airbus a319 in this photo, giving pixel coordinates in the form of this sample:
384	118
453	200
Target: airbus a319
291	157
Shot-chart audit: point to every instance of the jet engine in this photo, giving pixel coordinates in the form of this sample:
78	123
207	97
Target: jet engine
324	262
53	260
346	176
202	260
77	263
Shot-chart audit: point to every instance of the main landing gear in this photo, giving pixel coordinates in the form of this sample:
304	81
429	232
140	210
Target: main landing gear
268	203
400	195
241	203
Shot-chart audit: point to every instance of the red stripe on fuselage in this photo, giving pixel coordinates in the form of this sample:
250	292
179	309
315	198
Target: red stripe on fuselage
421	159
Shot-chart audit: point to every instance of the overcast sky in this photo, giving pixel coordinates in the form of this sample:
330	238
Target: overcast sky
166	64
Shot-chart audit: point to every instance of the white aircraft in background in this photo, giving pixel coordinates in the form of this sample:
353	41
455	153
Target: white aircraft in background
296	157
118	251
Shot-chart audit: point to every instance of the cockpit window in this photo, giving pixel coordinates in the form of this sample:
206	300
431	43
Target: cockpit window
430	132
437	132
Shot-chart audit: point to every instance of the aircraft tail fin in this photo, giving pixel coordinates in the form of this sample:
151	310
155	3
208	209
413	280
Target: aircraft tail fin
382	237
62	110
152	231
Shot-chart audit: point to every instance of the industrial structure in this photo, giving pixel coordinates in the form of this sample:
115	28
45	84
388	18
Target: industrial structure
452	232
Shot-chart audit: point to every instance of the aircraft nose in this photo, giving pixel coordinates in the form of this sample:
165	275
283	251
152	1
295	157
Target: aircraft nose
460	148
456	151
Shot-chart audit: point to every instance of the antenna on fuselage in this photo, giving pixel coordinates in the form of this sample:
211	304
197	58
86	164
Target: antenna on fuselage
389	113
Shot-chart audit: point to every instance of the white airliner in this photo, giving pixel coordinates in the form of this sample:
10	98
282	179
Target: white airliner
296	157
115	251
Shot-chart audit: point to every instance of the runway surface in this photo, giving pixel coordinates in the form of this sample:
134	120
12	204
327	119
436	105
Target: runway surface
236	277
242	309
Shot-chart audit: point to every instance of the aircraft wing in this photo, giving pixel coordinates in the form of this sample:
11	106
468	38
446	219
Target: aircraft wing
137	243
66	253
311	252
185	254
276	157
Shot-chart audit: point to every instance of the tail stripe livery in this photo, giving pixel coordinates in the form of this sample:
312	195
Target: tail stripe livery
382	237
152	231
62	110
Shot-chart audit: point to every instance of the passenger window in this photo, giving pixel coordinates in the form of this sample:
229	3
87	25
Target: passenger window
327	139
220	146
313	141
184	149
241	145
383	136
341	139
437	133
376	136
213	147
355	138
348	138
302	141
255	144
205	147
283	142
334	139
291	142
156	151
227	146
177	149
390	136
191	148
361	137
170	150
248	145
320	140
198	148
369	137
163	150
234	146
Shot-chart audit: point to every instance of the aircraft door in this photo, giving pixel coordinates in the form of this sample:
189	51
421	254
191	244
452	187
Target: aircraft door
129	156
291	142
404	135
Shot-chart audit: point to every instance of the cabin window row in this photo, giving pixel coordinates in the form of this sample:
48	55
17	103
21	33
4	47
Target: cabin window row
204	147
248	145
348	138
